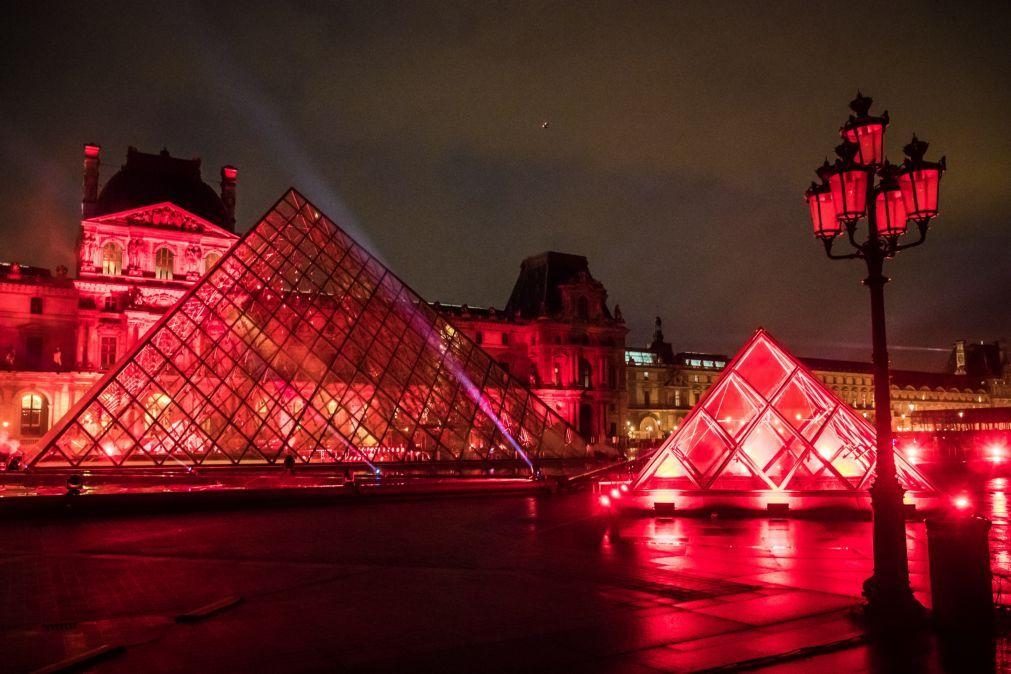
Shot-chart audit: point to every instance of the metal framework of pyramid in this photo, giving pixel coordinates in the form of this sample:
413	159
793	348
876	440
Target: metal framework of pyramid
769	424
300	343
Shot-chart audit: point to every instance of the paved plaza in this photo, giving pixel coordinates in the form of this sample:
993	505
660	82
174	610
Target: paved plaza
509	583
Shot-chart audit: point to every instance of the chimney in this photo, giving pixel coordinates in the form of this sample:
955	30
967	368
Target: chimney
229	174
960	357
89	192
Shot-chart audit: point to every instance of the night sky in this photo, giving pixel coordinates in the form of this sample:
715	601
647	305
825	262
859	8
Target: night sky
681	137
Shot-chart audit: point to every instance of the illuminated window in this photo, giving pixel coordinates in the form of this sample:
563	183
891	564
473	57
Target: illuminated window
585	374
164	262
112	259
557	375
108	352
210	259
34	414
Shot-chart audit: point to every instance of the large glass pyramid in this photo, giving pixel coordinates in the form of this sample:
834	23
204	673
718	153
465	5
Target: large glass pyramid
769	424
299	343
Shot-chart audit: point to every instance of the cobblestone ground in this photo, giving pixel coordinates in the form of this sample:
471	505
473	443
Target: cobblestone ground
468	585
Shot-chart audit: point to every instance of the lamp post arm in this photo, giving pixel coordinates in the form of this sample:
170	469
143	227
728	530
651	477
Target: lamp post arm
922	226
834	256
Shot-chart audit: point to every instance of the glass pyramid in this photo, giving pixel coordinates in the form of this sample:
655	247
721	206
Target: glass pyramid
299	343
768	424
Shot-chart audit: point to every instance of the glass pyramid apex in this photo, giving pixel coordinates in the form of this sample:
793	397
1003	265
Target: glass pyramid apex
300	345
782	428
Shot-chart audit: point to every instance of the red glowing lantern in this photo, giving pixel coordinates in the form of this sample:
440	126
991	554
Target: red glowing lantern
848	185
823	216
866	133
890	211
920	181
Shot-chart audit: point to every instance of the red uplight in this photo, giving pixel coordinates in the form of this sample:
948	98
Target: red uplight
624	487
605	500
615	493
996	453
230	172
92	150
890	211
848	186
961	502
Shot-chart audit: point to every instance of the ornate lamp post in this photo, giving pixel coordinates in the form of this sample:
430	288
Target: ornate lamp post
863	184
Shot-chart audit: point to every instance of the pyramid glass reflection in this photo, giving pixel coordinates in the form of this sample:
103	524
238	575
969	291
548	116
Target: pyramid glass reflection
299	343
768	424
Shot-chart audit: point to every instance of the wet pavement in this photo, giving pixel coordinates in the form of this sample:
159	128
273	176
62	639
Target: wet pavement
517	583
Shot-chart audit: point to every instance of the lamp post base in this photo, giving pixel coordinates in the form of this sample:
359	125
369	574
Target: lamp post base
890	601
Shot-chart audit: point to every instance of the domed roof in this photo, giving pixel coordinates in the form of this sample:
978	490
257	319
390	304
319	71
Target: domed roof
148	179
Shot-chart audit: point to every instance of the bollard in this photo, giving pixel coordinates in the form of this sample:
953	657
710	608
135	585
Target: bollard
960	578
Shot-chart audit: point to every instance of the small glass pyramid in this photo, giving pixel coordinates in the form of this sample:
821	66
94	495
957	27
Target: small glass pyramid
299	343
769	424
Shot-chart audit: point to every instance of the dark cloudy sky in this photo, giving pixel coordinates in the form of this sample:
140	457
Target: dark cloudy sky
681	138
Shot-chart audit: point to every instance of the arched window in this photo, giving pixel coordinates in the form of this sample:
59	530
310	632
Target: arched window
585	373
112	259
210	259
34	414
164	263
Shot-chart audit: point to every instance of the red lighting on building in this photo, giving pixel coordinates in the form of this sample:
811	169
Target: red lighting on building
615	493
605	500
961	502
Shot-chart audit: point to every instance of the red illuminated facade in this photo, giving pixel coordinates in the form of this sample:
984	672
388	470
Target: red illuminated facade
557	334
298	346
145	237
769	424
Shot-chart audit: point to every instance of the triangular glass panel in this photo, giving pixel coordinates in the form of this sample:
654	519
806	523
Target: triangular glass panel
299	343
764	366
732	404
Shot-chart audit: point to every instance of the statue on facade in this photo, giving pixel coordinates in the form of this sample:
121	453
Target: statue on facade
134	248
617	314
88	249
191	260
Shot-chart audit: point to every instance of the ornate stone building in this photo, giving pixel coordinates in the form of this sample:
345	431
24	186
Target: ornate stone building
557	333
145	237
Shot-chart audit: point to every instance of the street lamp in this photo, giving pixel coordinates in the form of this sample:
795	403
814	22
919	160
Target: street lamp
863	184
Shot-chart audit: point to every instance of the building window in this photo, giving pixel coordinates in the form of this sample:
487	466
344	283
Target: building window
585	374
557	375
210	259
504	365
33	349
505	337
108	352
646	398
164	262
112	259
478	337
34	414
110	303
35	305
677	398
583	309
